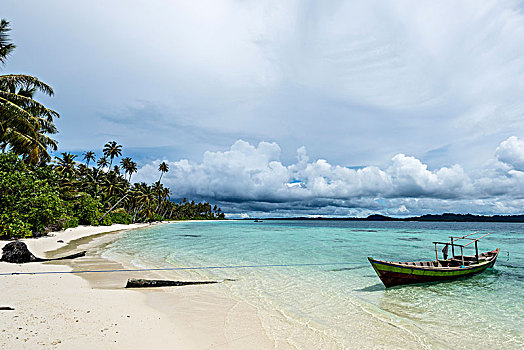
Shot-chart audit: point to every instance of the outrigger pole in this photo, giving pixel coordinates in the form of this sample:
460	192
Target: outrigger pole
453	244
476	247
457	238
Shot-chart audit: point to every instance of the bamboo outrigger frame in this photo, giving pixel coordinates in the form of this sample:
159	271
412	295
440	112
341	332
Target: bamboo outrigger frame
462	246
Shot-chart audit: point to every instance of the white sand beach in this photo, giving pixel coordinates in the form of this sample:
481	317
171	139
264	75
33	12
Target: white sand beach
66	311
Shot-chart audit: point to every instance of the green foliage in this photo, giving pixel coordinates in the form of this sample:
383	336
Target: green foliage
42	207
70	221
12	226
86	209
195	211
106	221
25	198
156	217
120	216
36	197
25	124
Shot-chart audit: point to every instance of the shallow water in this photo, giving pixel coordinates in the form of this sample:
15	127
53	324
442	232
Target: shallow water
346	306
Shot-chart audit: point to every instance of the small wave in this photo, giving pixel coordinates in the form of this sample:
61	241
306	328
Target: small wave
137	264
511	266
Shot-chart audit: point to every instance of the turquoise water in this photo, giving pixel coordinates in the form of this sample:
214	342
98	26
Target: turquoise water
346	306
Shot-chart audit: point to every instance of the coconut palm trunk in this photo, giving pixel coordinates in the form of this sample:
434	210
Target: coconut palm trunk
113	207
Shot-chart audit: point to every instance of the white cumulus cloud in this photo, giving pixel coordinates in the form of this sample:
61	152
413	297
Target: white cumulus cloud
253	179
511	152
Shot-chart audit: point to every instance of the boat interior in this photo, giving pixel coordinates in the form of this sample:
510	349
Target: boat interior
455	261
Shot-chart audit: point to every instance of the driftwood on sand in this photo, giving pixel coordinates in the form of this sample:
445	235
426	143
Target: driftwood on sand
143	283
17	252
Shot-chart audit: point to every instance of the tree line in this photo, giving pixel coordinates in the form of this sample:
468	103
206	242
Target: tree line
39	193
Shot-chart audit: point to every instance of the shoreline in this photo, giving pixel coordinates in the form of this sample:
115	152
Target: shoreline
64	310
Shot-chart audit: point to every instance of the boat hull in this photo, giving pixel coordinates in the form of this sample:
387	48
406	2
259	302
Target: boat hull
396	274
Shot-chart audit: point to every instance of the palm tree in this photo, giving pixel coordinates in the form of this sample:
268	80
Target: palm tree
102	163
133	168
126	164
161	193
82	170
67	175
145	196
113	186
92	180
112	150
25	123
90	155
166	202
66	164
163	168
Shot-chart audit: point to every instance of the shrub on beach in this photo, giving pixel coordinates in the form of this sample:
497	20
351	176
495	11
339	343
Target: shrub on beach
71	221
63	223
11	226
86	209
26	202
120	216
156	217
106	221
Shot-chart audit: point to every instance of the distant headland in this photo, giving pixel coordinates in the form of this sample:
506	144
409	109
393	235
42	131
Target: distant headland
446	217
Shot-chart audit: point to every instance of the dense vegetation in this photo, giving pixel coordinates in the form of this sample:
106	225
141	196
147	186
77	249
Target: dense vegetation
35	199
39	194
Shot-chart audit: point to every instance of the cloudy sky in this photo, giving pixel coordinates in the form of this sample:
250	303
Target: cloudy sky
278	108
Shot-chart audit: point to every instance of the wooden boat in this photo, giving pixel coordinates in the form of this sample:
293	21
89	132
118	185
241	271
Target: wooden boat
401	273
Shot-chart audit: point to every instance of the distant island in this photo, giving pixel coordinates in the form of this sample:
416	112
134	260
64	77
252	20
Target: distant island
446	217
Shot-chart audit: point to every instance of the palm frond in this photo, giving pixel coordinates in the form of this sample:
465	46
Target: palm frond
27	116
36	108
6	46
24	81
